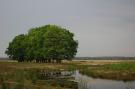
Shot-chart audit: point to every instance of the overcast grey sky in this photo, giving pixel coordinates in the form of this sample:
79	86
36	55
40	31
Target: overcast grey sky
102	27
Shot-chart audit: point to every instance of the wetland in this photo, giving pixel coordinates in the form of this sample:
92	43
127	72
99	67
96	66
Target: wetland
68	75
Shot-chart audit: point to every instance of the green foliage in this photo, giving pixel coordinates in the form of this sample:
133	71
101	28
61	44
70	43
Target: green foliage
18	86
48	43
19	76
5	86
16	49
72	67
33	75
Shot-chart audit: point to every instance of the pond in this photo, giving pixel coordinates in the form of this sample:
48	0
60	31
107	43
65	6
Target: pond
87	82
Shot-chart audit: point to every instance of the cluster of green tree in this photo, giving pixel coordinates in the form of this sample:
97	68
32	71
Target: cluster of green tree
49	43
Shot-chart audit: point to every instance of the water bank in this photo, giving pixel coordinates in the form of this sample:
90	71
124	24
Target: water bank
64	76
120	71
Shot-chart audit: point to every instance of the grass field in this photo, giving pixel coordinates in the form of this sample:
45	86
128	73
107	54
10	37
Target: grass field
14	74
121	70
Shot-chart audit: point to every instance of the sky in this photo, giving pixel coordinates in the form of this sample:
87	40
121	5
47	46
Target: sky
102	27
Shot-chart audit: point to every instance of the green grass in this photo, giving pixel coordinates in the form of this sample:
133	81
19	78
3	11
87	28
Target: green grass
119	71
130	66
26	74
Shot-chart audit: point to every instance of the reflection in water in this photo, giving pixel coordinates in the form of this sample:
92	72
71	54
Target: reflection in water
55	74
85	82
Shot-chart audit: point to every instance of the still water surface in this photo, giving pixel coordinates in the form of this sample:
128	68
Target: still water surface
87	82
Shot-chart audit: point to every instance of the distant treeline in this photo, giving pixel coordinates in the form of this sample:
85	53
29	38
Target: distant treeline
4	58
92	58
105	58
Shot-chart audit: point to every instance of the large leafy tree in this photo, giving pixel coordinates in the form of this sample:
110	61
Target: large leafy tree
48	43
16	49
60	43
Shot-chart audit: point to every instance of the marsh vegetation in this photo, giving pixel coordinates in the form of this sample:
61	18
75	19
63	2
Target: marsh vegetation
67	75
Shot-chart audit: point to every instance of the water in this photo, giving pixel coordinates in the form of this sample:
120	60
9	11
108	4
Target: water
56	75
87	82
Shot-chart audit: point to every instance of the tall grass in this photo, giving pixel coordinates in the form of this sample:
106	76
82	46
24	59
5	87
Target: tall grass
130	66
119	71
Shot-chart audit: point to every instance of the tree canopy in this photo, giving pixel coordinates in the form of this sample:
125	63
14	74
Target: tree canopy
49	43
